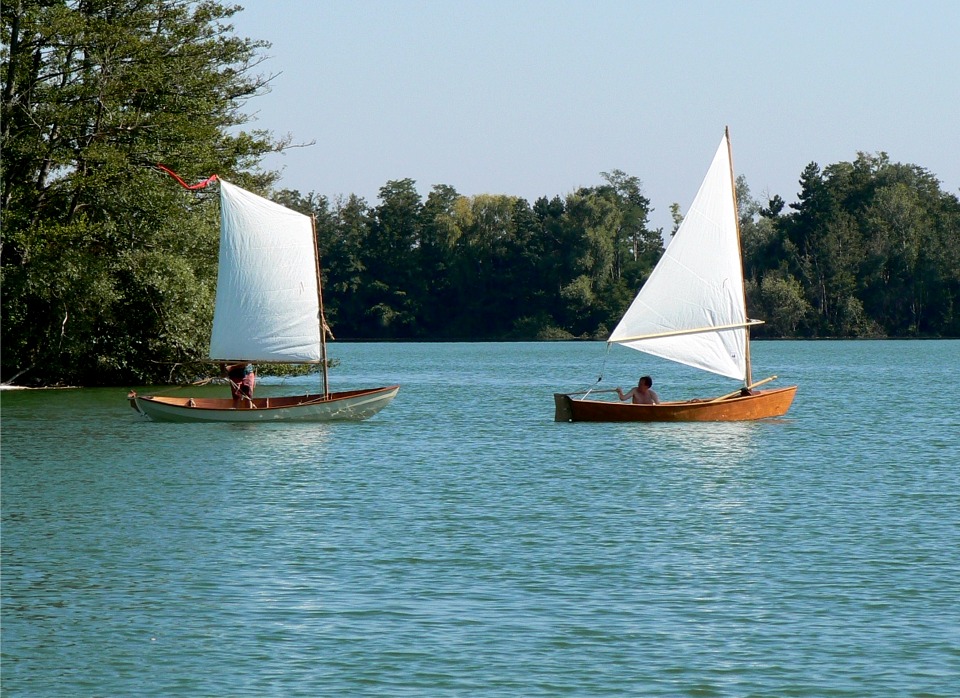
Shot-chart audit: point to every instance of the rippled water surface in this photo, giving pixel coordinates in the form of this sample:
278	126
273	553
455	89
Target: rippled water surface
462	543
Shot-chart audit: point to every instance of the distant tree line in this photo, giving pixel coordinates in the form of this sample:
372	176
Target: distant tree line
109	268
871	249
482	267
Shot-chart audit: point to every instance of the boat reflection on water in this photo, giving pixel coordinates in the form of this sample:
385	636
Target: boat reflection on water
708	444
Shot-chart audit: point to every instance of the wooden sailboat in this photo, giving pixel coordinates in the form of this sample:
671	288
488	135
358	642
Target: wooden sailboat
692	310
269	309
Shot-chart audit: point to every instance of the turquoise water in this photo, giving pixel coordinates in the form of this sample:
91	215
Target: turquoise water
461	543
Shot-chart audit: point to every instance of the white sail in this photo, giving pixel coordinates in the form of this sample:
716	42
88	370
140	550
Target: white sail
697	287
268	303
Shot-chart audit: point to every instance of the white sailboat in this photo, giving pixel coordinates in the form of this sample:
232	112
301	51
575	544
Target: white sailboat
692	310
269	309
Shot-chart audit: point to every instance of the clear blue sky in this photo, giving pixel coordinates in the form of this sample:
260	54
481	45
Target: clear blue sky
538	97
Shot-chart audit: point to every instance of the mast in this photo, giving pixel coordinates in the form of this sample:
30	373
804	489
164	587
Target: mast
748	379
322	318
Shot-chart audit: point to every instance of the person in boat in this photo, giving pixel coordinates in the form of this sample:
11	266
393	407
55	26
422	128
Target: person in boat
242	379
643	394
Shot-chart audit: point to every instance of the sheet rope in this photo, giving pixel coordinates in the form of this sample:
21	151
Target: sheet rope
603	367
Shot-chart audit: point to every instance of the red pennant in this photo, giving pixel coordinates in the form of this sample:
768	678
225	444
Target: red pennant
191	187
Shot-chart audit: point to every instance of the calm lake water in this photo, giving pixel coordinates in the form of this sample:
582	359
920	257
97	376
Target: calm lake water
461	543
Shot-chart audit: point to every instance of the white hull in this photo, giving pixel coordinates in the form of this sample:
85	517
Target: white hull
353	405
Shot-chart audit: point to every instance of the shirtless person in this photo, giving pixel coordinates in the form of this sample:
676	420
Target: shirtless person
642	394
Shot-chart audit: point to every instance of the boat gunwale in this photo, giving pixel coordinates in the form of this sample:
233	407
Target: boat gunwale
278	402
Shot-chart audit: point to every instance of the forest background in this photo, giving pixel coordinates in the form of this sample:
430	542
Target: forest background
109	268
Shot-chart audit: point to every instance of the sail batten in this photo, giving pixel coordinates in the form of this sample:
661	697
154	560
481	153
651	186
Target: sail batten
267	308
692	308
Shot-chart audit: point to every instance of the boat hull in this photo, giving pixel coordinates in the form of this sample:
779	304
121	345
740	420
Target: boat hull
353	405
762	404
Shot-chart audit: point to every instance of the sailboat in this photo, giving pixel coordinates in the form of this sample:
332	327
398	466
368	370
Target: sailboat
692	310
268	309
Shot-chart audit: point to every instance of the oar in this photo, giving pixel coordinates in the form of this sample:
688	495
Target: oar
584	392
737	392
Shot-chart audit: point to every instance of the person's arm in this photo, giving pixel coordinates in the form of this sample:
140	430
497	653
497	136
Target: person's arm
656	398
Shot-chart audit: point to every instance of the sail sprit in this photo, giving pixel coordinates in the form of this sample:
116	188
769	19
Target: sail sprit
695	330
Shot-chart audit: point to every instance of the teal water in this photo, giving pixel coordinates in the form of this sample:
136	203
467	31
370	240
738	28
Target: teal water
461	543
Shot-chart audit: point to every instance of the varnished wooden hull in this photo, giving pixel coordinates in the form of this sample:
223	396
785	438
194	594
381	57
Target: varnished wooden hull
352	405
761	405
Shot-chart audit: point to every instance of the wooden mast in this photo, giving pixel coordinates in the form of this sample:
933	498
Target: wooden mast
323	319
736	219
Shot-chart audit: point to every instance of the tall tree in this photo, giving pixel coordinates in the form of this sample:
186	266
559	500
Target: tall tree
345	271
107	267
822	235
485	274
618	251
390	261
440	233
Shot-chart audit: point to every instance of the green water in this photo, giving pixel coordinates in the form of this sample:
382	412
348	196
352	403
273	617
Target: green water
461	543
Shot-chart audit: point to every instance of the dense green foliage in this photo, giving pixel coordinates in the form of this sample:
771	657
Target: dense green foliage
482	267
871	249
107	265
108	268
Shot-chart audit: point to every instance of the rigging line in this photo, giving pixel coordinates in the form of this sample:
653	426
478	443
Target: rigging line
603	366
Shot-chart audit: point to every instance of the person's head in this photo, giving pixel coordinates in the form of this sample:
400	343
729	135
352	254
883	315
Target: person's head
645	382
